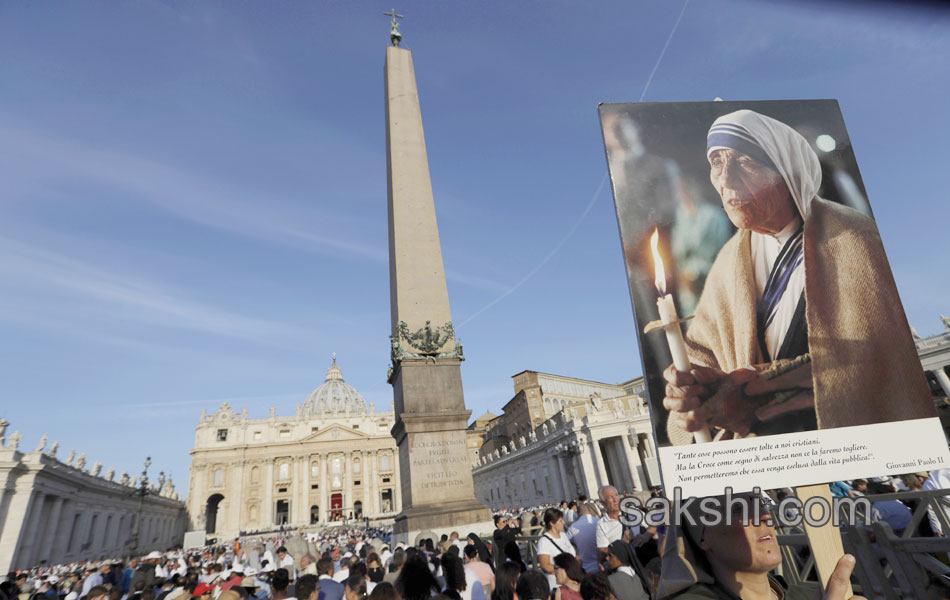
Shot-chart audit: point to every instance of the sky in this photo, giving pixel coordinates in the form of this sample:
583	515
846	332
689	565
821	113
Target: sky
193	195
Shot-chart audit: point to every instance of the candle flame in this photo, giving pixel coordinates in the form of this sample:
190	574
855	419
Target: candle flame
660	278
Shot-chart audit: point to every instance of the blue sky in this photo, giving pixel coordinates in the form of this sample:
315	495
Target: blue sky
193	198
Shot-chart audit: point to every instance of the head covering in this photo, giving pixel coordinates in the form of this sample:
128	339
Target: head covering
623	551
774	144
483	554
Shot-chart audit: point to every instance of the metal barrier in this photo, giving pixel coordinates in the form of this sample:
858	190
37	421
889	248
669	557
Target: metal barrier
889	566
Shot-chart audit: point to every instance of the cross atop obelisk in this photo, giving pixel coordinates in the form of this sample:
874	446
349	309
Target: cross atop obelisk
394	36
438	495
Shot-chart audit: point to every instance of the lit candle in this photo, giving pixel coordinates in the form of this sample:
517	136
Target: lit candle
671	322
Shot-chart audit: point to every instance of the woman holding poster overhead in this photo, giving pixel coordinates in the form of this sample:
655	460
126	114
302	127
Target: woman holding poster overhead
799	325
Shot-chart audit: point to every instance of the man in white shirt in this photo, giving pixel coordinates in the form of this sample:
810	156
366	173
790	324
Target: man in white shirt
455	541
286	561
344	573
609	527
583	534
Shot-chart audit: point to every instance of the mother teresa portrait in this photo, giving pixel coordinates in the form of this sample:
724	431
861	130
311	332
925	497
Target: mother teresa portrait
799	325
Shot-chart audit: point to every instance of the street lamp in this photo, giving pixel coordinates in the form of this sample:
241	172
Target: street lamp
142	492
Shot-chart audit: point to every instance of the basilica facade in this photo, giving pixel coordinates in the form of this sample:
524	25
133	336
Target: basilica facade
334	460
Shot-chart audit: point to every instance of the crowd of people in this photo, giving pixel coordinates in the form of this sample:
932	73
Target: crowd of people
577	550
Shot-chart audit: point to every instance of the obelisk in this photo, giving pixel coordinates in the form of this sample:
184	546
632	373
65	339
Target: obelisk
438	495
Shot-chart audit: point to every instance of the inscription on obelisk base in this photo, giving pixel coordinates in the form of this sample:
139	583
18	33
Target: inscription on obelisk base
438	495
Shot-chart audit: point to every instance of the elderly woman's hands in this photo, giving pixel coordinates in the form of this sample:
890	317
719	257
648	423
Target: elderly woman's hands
707	396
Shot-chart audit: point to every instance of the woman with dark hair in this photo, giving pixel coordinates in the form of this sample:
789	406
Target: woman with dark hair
624	580
569	575
513	554
484	554
596	587
374	568
460	579
415	581
553	542
384	591
505	580
533	585
355	588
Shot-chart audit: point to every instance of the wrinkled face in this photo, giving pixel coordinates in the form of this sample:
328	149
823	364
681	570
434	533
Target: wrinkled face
754	196
611	500
751	549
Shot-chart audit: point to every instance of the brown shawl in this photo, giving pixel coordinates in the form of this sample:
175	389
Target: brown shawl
865	367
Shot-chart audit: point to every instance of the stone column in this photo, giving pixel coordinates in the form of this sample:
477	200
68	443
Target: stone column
31	533
600	465
944	381
324	492
565	483
267	510
397	479
634	468
583	472
374	486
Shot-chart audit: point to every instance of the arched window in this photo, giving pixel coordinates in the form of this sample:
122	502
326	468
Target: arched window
255	474
283	473
218	477
384	463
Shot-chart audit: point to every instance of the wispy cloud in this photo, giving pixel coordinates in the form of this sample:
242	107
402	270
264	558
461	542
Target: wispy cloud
34	159
24	266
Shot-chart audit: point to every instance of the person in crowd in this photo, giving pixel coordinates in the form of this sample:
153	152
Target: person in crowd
552	542
374	569
609	527
286	561
506	528
355	588
280	584
506	577
484	554
308	565
307	587
732	560
97	593
583	534
384	591
125	583
343	573
513	555
893	512
330	588
460	579
399	559
624	578
568	574
416	581
533	585
455	541
570	512
596	586
481	569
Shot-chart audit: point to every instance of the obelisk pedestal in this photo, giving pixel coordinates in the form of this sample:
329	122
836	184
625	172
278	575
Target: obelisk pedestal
438	495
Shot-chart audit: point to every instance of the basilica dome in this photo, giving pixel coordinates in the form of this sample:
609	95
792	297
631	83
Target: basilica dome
335	396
